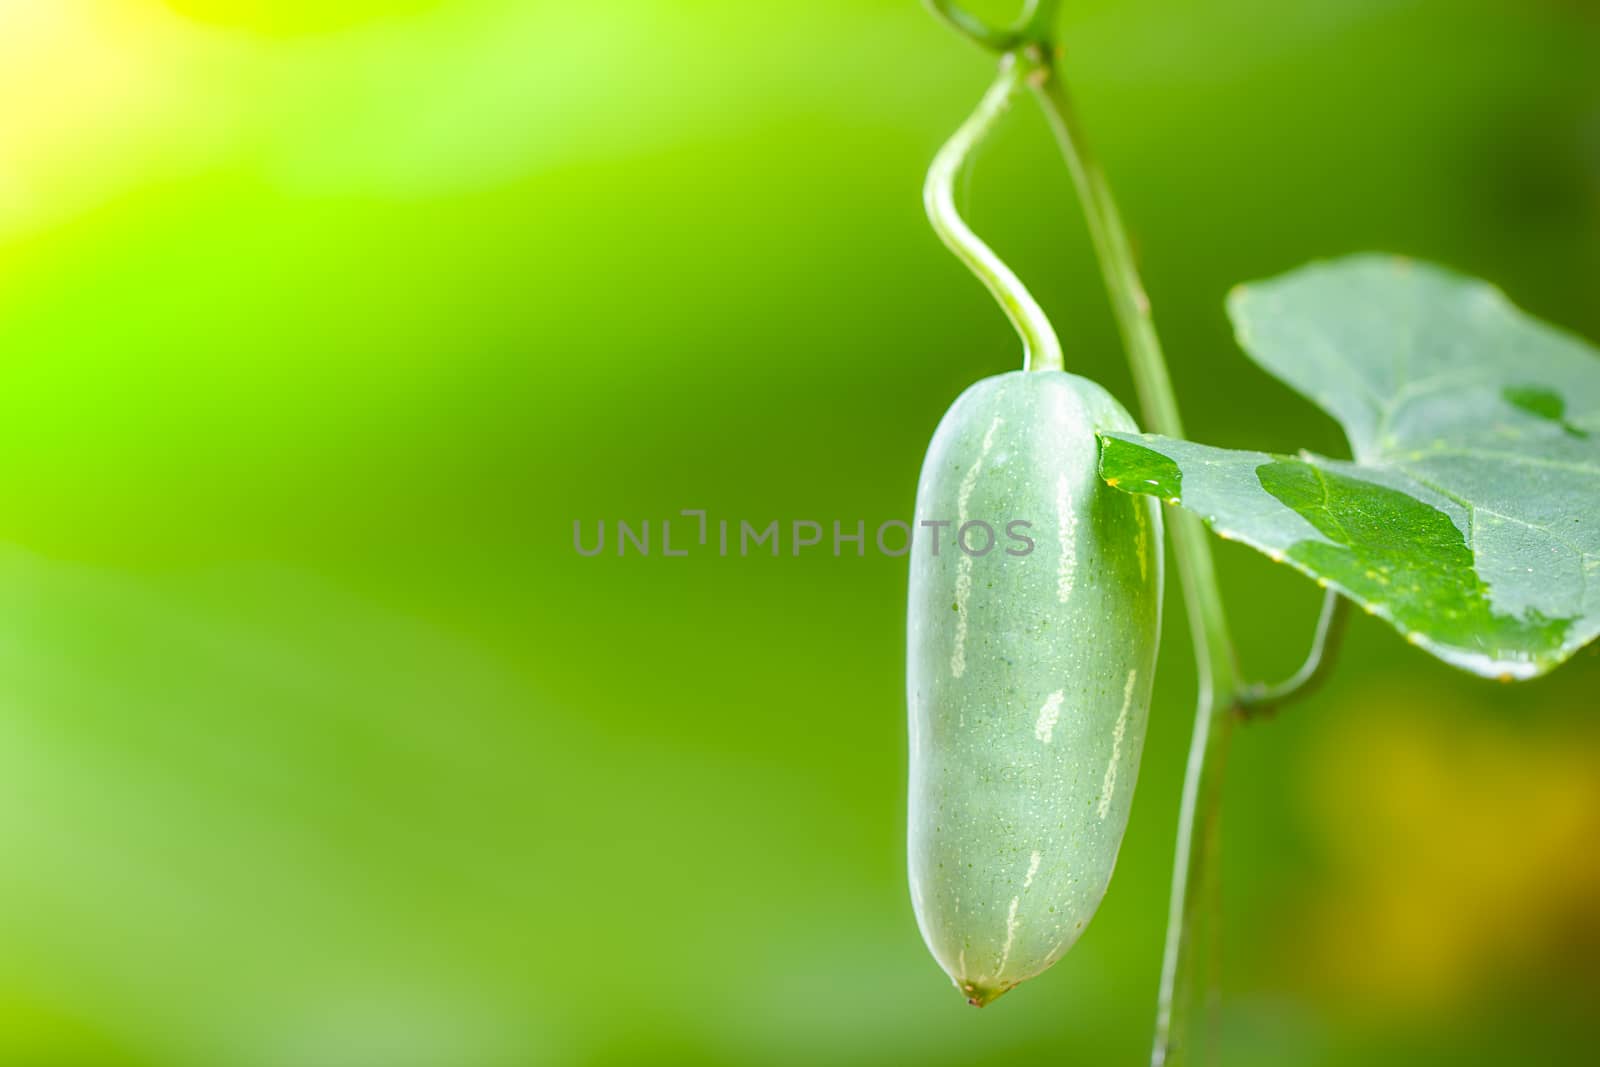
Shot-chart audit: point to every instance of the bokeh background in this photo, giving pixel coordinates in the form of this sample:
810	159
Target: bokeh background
321	321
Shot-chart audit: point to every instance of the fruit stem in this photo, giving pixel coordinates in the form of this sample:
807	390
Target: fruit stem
1041	348
1192	913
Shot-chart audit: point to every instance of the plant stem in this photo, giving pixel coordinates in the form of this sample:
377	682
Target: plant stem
1256	699
1036	23
964	22
1193	902
1041	348
1038	20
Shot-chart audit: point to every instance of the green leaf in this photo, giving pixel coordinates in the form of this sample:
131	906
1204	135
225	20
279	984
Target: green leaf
1470	516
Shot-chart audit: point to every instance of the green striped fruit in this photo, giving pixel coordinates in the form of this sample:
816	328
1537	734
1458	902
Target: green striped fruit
1028	676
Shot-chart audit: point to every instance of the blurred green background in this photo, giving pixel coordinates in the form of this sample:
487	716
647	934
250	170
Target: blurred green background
322	320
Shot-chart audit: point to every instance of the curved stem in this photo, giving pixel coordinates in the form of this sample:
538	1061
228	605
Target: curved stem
1041	348
1035	25
1254	699
1038	22
964	22
1193	900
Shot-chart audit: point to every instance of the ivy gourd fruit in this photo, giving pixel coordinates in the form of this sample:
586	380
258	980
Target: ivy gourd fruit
1028	675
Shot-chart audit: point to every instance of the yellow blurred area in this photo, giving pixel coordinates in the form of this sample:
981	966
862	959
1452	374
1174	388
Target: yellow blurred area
92	98
381	100
1459	855
294	16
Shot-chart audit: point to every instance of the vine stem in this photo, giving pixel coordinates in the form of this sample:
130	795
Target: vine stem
1255	700
1193	905
1036	23
1041	347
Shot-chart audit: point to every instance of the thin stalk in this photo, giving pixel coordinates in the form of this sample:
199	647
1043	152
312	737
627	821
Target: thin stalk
1193	901
1036	23
1041	348
1256	699
964	22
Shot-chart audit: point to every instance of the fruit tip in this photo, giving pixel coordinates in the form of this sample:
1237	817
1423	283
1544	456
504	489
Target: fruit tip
980	995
